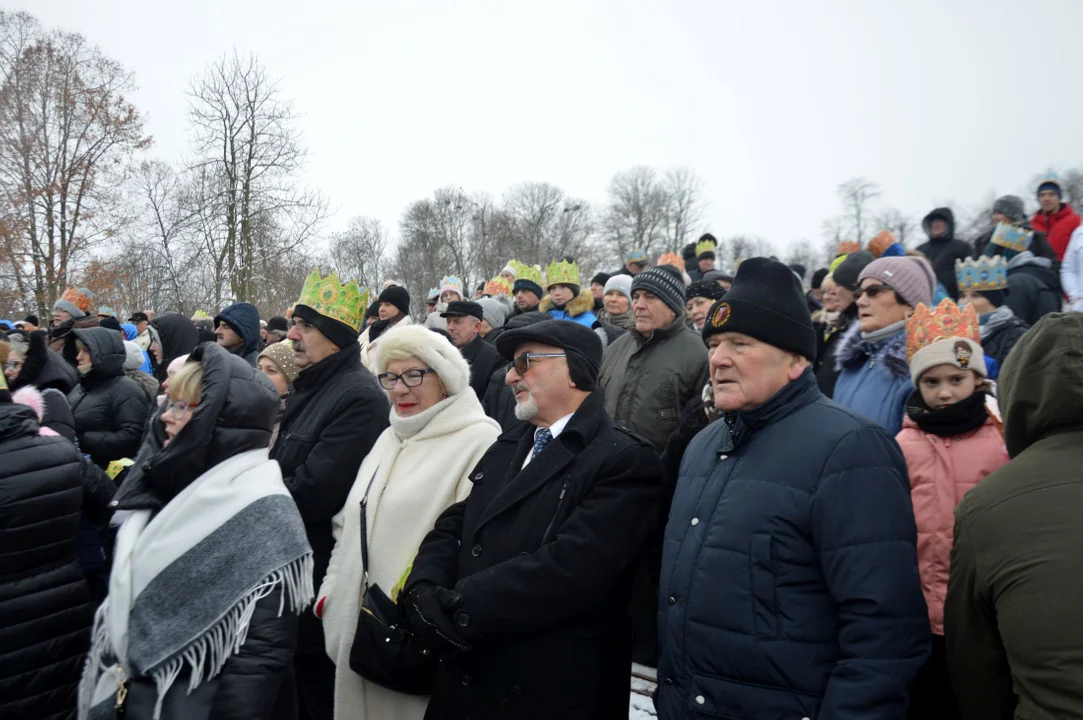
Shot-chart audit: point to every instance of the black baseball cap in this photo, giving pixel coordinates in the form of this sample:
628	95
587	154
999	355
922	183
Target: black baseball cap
139	317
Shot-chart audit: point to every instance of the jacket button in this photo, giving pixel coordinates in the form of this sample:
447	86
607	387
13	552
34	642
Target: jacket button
700	699
476	550
463	619
114	503
672	600
695	521
668	682
723	456
479	476
516	690
467	679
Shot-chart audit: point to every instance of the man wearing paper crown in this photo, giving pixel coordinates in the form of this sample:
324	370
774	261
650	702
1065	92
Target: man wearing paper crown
331	421
1034	288
527	289
983	285
951	442
566	299
705	257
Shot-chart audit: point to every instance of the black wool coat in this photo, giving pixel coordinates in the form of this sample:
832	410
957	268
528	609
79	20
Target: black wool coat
484	361
543	557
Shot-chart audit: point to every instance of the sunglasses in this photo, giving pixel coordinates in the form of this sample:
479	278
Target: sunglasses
522	363
872	291
410	378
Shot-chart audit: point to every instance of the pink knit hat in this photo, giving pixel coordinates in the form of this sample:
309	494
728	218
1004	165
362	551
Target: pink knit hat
911	278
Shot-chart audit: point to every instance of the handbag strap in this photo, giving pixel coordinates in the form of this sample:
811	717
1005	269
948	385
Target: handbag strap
365	529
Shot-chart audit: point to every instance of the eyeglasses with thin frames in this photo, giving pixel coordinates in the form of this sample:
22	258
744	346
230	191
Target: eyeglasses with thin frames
179	409
410	378
522	363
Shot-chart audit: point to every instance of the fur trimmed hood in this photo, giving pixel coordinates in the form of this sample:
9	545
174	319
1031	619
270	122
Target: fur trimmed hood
853	351
581	303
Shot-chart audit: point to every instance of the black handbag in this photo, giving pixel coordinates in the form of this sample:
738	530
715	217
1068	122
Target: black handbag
383	652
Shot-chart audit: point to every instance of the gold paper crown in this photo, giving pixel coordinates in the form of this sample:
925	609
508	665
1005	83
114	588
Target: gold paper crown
948	320
516	266
562	273
533	273
704	246
200	315
984	274
451	282
497	286
330	298
672	258
846	247
881	242
1012	237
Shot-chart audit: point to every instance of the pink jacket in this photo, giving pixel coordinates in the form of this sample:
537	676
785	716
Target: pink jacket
941	471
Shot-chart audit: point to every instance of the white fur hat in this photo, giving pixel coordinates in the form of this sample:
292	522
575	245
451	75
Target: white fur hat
431	348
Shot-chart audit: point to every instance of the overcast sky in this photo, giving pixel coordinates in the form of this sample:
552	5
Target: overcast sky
772	103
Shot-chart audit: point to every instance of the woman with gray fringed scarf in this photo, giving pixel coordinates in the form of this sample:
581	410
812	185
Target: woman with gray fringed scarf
212	565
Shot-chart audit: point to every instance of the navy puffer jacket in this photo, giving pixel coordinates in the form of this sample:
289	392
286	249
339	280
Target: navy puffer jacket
789	584
244	319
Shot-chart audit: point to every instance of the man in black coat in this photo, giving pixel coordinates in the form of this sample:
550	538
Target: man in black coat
524	586
499	400
943	248
332	419
464	326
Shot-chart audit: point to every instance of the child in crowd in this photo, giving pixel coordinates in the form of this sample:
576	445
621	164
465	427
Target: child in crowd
951	439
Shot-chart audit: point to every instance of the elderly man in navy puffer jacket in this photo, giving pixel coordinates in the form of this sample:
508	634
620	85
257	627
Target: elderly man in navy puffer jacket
789	585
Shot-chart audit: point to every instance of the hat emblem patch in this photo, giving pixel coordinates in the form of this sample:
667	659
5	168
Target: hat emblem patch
721	315
962	354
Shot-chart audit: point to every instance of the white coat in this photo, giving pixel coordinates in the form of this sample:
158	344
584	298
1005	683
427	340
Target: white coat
1071	271
416	479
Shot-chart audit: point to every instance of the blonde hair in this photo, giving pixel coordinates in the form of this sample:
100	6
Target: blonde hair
187	384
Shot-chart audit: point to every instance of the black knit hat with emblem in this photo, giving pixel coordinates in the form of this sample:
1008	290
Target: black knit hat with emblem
766	302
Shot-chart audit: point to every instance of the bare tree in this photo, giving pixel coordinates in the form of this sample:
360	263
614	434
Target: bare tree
248	144
898	222
638	210
361	253
802	252
856	194
685	205
67	136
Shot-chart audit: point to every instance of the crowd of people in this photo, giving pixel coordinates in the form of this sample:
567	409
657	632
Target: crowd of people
849	493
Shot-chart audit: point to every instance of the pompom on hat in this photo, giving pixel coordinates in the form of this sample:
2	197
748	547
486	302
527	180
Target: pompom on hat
946	335
75	302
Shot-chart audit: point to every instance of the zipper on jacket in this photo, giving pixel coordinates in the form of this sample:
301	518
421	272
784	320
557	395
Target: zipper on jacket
555	510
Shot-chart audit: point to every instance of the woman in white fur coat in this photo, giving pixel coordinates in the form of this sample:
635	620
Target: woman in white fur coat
418	468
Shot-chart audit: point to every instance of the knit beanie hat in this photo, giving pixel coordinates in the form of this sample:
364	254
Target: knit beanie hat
278	324
996	297
133	356
947	335
431	348
494	312
705	289
622	284
600	278
373	310
1012	206
398	296
282	355
75	302
1051	183
818	278
766	302
664	282
849	270
911	278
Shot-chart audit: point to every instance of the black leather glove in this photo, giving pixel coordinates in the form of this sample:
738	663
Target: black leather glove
430	616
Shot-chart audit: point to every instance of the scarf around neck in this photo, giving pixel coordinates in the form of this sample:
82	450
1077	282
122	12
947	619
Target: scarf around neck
992	322
958	419
877	336
237	524
407	427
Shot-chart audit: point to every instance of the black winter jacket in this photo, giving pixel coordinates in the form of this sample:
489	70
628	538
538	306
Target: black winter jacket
45	606
109	409
828	337
1002	338
543	558
47	371
1034	288
235	414
244	319
942	252
179	336
484	361
333	417
499	401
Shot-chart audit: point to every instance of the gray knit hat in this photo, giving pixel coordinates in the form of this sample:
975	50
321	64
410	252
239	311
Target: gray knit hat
664	281
494	312
620	283
1012	206
911	278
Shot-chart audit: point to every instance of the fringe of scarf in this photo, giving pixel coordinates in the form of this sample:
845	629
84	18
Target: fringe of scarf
206	655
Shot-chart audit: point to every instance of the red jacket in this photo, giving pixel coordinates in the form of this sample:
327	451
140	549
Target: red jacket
1058	226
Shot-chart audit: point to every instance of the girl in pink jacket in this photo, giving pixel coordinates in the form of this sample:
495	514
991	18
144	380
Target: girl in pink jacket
951	441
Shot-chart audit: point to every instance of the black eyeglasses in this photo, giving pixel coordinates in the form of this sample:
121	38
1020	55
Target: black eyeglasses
872	291
522	363
410	378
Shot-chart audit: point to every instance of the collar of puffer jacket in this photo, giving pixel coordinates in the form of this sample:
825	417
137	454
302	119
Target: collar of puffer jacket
794	396
853	351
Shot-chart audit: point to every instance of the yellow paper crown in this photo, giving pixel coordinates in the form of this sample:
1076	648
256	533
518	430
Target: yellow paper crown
330	298
948	320
497	286
562	273
705	246
200	315
533	273
672	258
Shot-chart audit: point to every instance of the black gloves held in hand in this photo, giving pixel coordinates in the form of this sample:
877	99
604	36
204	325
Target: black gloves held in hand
430	610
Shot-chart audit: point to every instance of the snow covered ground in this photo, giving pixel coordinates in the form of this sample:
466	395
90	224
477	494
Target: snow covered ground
640	705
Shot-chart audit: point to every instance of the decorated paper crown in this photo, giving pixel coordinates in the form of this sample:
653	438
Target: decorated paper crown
516	266
884	244
636	256
106	310
984	274
847	246
80	298
533	273
451	282
434	294
330	298
947	320
1012	237
672	258
200	315
497	286
705	246
562	273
